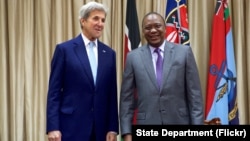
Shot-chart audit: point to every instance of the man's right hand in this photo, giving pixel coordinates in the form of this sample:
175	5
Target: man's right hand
127	137
54	136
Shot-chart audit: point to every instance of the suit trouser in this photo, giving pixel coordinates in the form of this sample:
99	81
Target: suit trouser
93	135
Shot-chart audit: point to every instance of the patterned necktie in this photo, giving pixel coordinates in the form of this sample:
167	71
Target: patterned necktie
92	60
159	67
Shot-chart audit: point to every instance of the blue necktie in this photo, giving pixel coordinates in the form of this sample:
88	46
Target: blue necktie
92	60
159	67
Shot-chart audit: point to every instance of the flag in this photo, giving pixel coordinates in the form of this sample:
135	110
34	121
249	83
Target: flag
132	35
176	19
221	97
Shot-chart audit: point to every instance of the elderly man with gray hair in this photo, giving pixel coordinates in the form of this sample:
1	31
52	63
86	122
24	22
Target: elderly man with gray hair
81	105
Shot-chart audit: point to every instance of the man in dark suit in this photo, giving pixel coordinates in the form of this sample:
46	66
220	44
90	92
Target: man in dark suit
168	89
82	98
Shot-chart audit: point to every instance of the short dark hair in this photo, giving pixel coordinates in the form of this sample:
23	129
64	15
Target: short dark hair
152	13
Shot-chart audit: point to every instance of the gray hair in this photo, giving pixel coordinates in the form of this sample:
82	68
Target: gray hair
89	7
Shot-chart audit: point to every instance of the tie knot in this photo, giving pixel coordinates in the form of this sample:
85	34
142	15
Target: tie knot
157	50
91	44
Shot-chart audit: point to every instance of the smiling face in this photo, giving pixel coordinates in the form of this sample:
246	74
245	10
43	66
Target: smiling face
153	28
92	26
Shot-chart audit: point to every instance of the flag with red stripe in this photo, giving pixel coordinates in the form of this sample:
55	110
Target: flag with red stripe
132	35
221	97
176	19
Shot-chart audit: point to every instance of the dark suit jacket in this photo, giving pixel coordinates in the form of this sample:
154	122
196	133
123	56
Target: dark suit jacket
178	102
74	104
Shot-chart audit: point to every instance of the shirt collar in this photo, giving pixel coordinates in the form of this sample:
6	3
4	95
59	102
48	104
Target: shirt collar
152	49
86	40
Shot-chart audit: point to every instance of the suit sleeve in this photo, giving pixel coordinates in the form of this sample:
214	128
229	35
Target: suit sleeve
194	94
127	97
54	92
113	105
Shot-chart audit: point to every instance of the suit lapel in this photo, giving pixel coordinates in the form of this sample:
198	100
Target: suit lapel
102	60
82	55
168	60
148	64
